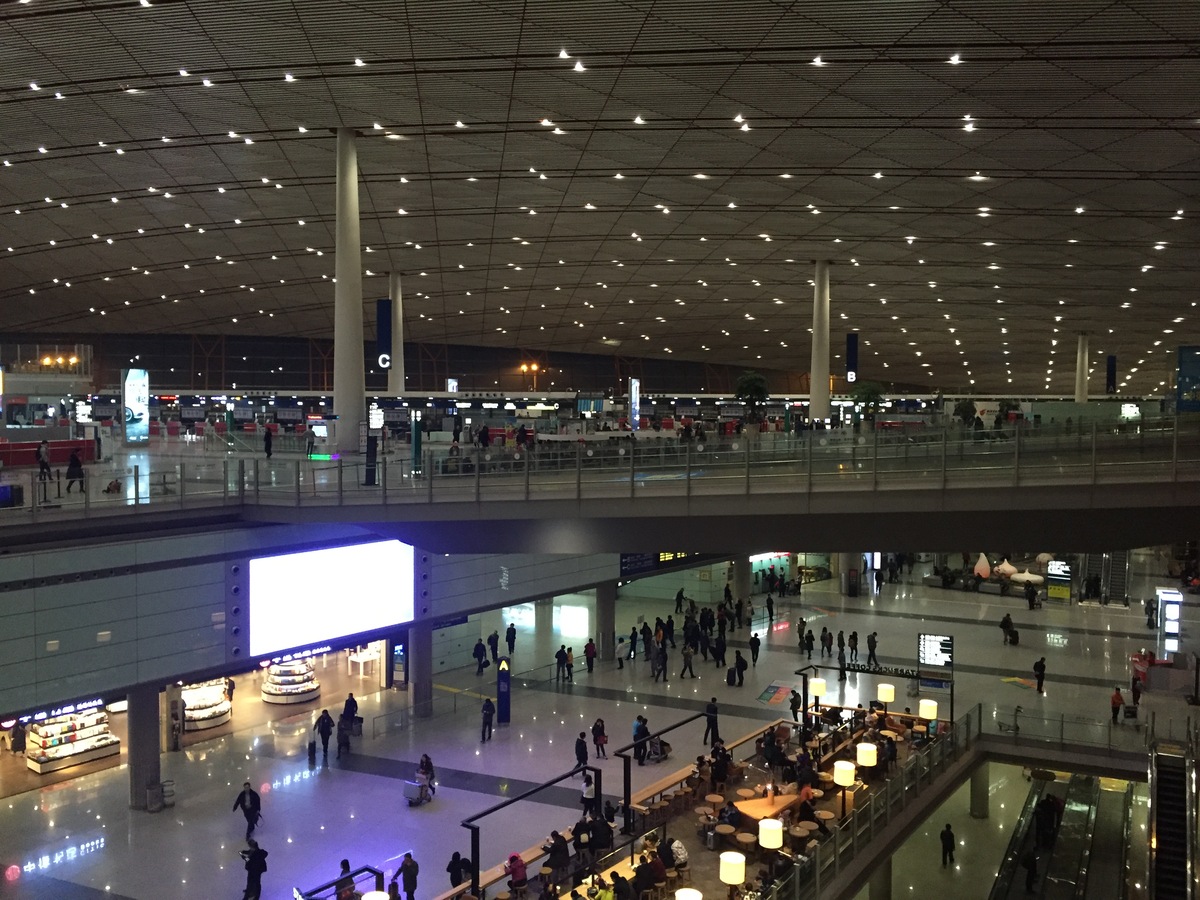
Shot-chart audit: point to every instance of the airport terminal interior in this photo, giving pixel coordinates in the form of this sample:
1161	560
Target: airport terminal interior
338	338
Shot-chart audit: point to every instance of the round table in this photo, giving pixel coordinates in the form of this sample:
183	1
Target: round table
890	734
824	815
825	777
715	799
818	793
920	729
812	745
746	839
724	829
703	811
746	793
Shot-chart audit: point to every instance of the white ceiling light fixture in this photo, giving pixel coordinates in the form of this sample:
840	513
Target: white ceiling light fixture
955	60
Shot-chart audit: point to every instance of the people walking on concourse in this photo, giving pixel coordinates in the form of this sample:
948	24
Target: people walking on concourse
251	806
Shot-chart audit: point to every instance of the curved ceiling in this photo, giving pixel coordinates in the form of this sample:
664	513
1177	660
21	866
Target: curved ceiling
645	178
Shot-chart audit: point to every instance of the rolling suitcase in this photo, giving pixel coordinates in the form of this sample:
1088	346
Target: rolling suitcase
1014	637
731	677
312	751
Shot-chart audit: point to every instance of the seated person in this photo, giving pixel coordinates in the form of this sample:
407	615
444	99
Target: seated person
703	770
621	888
644	877
666	855
657	867
600	890
679	852
602	834
729	814
806	793
515	870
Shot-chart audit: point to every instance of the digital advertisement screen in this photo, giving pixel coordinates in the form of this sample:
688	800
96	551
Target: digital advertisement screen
135	395
318	596
635	403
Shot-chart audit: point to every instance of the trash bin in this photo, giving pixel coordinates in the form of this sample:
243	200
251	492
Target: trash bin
154	797
168	793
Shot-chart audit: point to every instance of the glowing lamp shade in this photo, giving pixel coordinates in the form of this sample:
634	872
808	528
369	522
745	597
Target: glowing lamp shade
816	687
927	709
886	693
733	868
867	754
770	834
688	894
843	773
375	895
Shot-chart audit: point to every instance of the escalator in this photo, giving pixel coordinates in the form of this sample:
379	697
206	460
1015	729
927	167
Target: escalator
1106	863
1064	858
1172	822
1010	879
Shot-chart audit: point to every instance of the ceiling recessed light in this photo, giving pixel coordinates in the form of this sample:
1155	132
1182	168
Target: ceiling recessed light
358	61
955	60
817	61
579	67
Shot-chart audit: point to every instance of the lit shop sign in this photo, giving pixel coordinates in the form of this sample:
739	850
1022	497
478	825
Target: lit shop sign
297	654
384	360
78	707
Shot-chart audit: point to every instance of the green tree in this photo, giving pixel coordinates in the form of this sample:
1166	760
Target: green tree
965	409
867	394
751	389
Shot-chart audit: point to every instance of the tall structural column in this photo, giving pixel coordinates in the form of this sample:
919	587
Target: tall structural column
979	791
879	885
142	743
818	371
349	367
396	372
606	620
1081	369
420	669
743	579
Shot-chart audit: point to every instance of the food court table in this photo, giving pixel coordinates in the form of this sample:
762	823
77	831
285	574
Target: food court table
765	807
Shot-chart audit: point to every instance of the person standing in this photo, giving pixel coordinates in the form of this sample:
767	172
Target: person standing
796	703
570	664
718	651
479	652
350	708
256	864
345	882
755	646
488	711
510	637
560	663
687	655
710	724
1029	864
641	737
633	639
872	644
740	666
660	662
581	754
457	869
343	736
591	803
250	805
43	461
679	598
841	659
1039	671
310	442
74	471
267	441
493	643
852	646
324	728
947	837
770	608
589	654
408	875
1117	702
230	687
599	739
809	642
1135	688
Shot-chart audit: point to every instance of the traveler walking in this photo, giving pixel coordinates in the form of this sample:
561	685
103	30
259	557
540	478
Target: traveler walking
589	654
250	805
510	637
710	725
872	644
1039	671
947	837
599	739
480	654
324	728
256	864
493	643
267	437
687	655
581	753
740	665
755	645
1117	702
408	875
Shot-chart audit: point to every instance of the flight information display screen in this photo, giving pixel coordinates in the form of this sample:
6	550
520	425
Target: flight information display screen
935	651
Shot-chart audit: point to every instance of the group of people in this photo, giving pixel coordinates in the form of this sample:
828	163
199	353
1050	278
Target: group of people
325	727
847	646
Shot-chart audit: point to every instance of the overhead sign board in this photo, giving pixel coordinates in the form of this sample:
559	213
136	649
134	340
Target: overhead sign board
935	651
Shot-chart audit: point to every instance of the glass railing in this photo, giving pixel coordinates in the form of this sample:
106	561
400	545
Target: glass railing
622	468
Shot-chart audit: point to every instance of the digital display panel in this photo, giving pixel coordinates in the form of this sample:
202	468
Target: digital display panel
318	596
635	403
936	651
135	396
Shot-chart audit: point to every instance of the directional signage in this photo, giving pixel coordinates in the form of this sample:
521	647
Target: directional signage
935	651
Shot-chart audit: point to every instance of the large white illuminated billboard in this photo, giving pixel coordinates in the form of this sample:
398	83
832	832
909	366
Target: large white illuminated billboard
316	597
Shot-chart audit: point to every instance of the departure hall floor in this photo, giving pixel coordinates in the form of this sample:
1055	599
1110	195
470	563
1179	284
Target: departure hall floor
78	839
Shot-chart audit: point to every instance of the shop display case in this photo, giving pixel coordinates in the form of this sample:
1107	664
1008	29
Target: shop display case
206	705
290	682
63	741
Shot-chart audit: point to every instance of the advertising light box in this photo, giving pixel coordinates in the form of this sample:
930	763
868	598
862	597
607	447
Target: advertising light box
319	596
135	395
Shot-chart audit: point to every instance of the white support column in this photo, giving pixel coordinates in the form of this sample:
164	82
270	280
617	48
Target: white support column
1081	369
396	372
818	370
349	367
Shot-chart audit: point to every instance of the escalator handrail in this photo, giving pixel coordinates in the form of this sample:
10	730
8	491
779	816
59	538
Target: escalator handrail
1126	834
1012	853
1086	856
1189	775
1074	786
1176	750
